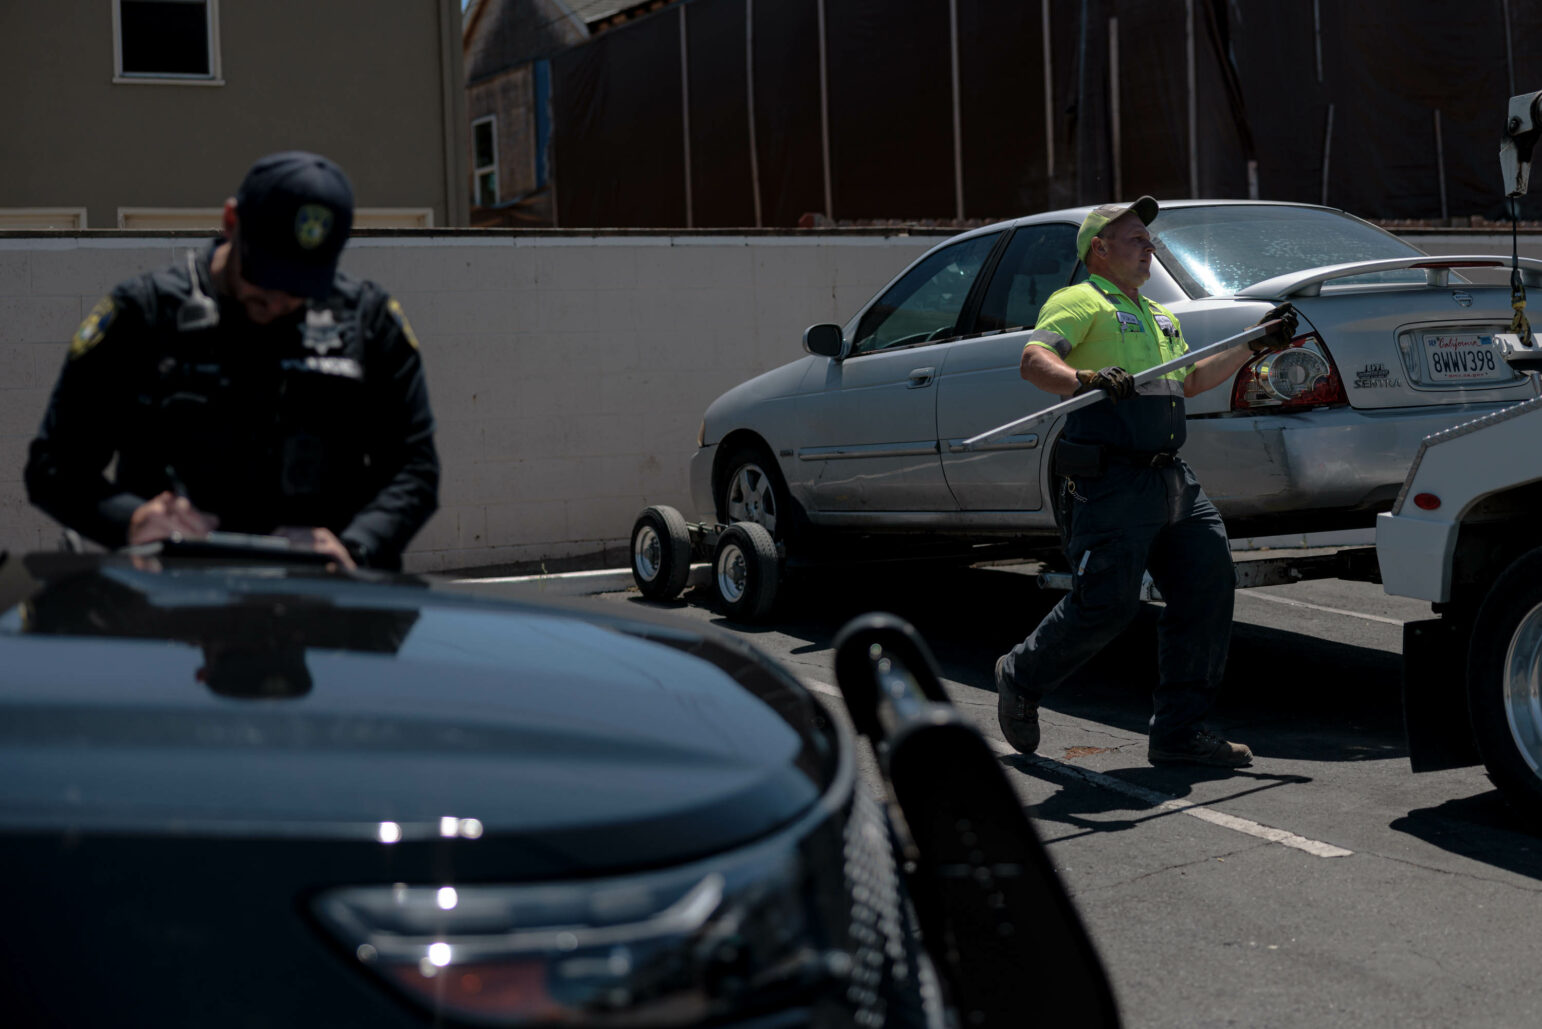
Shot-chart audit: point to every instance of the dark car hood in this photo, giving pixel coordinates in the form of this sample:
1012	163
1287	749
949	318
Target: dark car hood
217	700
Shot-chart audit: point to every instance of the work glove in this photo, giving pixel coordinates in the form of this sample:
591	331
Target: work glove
1113	380
1280	338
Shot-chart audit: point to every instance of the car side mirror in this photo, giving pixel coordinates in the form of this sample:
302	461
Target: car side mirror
824	340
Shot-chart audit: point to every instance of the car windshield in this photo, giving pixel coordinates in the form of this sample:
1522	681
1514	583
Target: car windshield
1216	251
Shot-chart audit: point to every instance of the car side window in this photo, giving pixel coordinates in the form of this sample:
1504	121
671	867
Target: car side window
1038	261
926	302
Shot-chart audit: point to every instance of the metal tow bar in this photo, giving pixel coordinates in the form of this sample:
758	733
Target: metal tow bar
1141	378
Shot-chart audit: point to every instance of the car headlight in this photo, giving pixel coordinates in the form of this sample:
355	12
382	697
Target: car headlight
664	947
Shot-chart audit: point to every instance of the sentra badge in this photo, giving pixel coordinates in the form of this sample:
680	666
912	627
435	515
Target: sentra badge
1376	376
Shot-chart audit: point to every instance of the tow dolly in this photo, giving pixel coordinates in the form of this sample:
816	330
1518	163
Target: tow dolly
745	562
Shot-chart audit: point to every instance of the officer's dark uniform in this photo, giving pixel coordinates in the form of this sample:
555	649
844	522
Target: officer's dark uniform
320	418
1143	510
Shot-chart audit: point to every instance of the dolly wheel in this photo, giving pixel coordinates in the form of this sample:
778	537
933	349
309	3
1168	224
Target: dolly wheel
745	571
661	553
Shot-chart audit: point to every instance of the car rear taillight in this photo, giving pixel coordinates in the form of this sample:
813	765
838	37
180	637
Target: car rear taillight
1302	375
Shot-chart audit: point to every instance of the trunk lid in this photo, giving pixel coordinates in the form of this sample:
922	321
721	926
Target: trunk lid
1408	345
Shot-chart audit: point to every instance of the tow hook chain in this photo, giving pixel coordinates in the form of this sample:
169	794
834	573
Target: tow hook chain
1518	322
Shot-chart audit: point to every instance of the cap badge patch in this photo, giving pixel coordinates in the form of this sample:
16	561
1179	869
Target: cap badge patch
312	225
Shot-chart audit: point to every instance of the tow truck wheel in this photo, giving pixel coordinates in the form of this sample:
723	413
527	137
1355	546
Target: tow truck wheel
661	553
1504	682
745	571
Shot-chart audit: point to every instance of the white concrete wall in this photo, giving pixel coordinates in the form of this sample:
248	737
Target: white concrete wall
568	374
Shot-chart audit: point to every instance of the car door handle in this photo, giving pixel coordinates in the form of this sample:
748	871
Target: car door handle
920	377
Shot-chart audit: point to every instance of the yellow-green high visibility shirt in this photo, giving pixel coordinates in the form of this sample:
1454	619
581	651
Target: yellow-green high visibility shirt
1094	325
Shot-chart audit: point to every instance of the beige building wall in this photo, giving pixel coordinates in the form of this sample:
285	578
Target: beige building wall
568	373
374	84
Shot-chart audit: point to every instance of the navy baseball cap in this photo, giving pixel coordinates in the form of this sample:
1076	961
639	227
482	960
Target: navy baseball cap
295	211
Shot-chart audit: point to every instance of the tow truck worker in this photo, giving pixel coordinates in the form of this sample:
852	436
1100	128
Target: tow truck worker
253	388
1126	501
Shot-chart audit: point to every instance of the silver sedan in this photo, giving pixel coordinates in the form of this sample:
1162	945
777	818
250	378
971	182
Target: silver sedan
861	436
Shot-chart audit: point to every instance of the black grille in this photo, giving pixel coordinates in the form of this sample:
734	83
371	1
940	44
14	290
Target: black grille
880	959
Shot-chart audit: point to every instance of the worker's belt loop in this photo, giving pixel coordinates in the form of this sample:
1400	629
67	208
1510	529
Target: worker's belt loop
1143	458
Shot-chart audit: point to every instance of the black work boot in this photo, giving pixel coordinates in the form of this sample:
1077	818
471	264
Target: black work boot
1018	715
1198	746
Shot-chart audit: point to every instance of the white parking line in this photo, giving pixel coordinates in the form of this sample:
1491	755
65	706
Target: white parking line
1151	798
1288	602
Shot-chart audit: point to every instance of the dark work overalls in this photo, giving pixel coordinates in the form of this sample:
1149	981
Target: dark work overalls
1145	511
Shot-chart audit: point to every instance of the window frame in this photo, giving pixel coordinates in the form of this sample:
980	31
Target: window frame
159	219
27	219
967	307
479	170
1003	268
215	76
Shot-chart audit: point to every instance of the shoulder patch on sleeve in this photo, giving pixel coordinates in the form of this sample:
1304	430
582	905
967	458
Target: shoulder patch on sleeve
394	306
94	327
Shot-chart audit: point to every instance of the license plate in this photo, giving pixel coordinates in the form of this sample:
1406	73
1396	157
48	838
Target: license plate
1464	357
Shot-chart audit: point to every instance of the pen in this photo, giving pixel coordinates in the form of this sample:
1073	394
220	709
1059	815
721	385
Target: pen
177	485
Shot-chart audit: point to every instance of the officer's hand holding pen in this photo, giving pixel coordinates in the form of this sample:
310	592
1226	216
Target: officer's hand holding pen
1280	338
1113	380
166	515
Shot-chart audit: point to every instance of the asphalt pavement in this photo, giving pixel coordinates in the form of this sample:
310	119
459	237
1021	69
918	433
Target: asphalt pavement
1324	885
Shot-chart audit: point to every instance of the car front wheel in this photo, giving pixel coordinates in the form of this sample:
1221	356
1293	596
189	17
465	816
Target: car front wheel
752	491
1504	682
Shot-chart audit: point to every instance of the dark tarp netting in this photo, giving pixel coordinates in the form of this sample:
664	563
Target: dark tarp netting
1526	51
618	135
787	134
1001	69
891	108
1275	50
1267	74
1386	73
721	176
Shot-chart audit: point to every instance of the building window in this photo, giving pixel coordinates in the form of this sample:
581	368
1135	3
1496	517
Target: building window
167	40
65	218
484	145
542	120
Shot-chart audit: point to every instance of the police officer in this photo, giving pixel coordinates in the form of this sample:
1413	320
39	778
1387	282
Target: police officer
252	388
1127	503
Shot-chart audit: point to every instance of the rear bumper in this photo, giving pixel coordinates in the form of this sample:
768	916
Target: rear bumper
1340	459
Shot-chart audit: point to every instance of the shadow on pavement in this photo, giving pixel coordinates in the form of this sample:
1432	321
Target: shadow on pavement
1287	695
1077	800
1482	828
